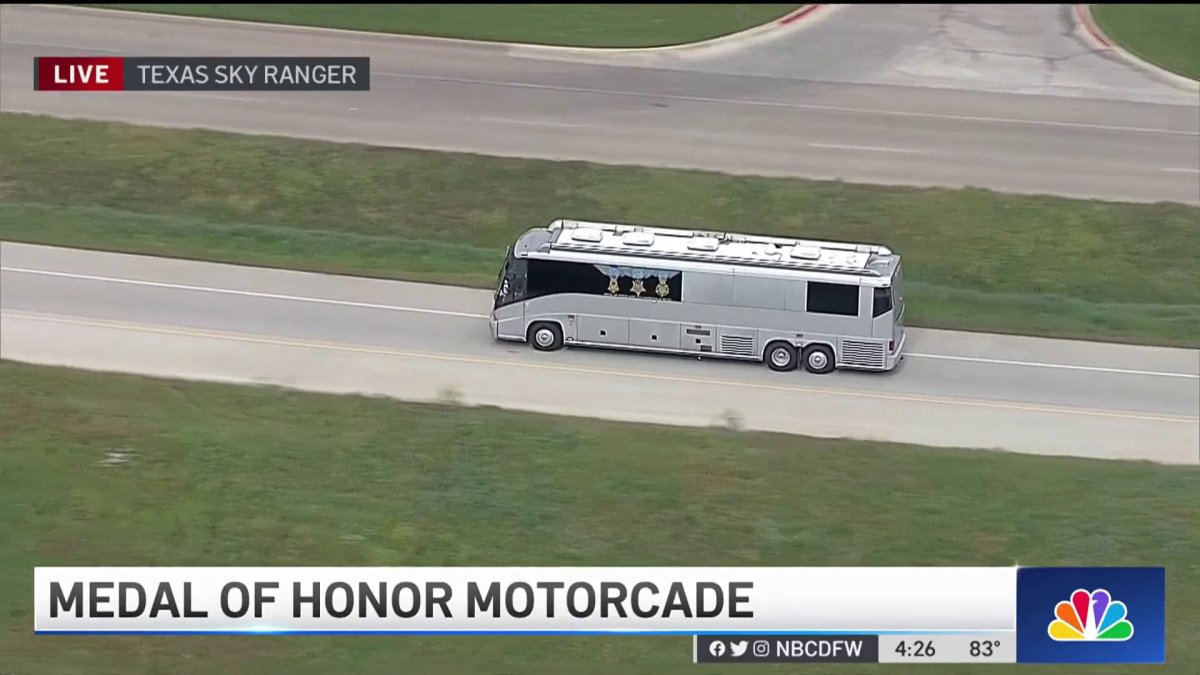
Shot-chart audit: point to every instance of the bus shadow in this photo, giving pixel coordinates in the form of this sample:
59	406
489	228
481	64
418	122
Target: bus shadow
732	367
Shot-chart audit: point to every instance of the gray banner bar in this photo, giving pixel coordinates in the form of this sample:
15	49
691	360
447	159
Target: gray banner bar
786	648
972	648
248	73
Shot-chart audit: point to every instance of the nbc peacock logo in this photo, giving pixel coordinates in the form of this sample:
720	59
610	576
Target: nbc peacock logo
1090	616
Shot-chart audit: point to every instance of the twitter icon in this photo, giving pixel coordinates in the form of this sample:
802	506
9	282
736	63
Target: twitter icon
736	649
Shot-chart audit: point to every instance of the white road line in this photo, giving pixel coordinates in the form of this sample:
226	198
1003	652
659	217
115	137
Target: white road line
782	104
1061	366
534	123
252	294
866	148
210	96
468	315
55	45
1180	170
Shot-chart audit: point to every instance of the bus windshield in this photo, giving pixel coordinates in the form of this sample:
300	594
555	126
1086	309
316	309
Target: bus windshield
510	284
504	269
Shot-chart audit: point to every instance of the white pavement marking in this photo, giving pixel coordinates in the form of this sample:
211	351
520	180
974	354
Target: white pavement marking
468	315
1180	170
784	104
1061	366
55	45
230	291
534	123
867	148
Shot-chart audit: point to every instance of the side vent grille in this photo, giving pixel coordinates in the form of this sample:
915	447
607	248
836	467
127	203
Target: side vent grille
742	345
862	354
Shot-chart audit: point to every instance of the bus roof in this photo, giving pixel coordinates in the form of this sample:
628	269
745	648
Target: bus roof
722	248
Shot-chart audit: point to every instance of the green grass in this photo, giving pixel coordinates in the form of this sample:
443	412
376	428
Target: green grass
975	260
227	475
599	25
1166	35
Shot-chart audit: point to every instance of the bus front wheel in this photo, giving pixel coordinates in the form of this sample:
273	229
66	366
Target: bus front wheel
818	359
546	337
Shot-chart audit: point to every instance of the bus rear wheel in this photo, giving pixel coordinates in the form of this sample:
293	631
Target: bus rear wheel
818	359
546	337
781	357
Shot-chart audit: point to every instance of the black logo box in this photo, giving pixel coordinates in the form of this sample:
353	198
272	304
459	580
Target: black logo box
782	648
182	73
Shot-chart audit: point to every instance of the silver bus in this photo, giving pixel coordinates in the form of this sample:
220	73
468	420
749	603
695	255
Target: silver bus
785	302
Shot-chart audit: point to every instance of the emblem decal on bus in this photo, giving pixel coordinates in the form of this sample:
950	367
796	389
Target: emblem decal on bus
638	285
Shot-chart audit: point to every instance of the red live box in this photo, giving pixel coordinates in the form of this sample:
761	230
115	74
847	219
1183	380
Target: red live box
79	73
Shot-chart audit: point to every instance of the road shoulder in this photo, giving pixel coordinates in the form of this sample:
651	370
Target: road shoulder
1090	29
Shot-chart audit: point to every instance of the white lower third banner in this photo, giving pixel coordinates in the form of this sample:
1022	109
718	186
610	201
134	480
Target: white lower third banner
645	600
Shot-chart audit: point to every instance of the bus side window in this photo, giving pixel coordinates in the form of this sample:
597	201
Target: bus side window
838	299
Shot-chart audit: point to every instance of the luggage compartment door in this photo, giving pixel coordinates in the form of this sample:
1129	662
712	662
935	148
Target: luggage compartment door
653	334
603	330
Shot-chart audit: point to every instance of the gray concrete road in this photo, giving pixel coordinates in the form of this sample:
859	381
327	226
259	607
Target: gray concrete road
896	95
200	320
1004	49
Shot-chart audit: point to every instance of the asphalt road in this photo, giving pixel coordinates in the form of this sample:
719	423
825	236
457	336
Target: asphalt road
1004	98
175	318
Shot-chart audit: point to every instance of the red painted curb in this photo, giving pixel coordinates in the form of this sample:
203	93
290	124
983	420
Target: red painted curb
798	14
1083	14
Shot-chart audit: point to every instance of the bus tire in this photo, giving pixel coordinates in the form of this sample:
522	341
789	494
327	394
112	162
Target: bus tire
818	359
546	336
781	357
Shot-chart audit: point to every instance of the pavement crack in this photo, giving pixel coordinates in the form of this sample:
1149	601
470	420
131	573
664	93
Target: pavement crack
969	18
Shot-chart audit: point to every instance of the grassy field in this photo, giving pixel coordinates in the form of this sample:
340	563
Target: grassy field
1166	35
599	25
975	259
226	475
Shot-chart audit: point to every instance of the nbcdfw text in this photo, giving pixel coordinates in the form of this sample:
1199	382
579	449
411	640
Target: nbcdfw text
819	648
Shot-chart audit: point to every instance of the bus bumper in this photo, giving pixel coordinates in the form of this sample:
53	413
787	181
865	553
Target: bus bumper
493	326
